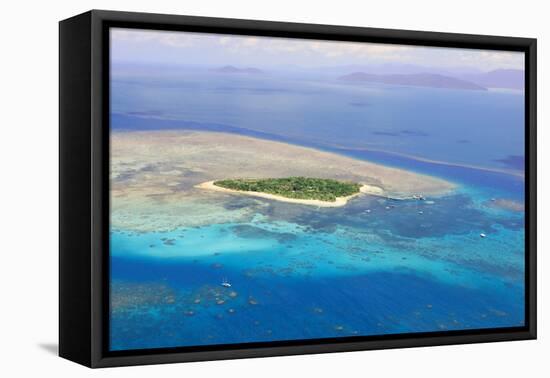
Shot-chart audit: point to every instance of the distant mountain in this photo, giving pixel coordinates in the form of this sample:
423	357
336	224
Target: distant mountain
417	80
401	69
503	78
233	69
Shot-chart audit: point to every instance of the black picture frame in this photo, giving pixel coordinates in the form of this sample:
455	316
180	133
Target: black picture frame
84	187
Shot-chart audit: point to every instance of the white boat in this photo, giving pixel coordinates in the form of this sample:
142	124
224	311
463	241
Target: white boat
226	283
482	235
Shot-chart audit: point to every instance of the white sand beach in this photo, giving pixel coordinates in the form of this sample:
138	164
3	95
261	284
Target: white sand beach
340	201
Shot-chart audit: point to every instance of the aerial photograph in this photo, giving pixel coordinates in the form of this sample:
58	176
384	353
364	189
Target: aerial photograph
267	189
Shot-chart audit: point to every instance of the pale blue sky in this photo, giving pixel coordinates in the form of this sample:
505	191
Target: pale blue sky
147	46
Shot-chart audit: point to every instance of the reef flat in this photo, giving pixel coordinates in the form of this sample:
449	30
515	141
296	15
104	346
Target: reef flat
154	175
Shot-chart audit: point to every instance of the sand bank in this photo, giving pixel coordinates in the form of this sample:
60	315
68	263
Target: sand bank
154	176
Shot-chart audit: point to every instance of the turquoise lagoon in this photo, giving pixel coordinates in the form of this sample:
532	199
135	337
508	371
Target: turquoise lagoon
374	267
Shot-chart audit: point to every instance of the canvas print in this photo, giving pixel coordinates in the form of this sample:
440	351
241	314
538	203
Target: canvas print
272	189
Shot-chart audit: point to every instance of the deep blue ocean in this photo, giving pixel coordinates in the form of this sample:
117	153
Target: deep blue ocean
372	267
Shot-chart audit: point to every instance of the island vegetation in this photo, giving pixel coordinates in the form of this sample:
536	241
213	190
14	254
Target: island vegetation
305	188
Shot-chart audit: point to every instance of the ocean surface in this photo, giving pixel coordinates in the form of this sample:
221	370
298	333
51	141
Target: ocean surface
479	128
373	267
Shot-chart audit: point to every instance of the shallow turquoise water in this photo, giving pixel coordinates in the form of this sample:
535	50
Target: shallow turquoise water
324	273
372	267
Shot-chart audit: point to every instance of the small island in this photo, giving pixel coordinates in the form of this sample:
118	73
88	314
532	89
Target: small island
295	187
303	190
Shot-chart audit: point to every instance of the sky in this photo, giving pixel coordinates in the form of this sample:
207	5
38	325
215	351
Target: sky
175	48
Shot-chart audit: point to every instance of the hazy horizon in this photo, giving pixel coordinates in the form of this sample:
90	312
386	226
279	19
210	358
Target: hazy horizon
168	48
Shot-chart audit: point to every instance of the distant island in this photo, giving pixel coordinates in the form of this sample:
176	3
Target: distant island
502	78
417	80
233	69
303	190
